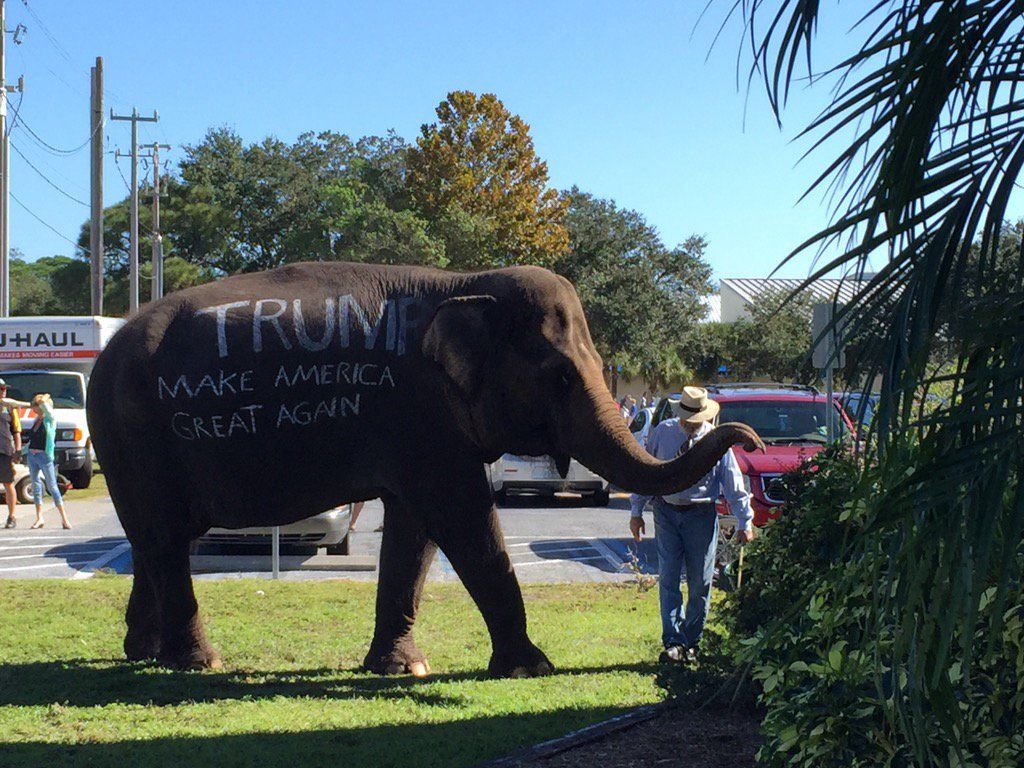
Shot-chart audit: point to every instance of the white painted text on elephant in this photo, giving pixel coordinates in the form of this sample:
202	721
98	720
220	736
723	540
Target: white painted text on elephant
327	374
239	422
385	327
218	384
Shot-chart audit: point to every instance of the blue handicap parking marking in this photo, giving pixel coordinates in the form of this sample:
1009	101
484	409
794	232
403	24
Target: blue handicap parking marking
122	563
644	554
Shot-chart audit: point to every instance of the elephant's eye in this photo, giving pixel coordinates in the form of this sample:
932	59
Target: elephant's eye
563	381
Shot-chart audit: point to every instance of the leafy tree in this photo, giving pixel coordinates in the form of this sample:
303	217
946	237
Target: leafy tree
775	341
475	177
642	299
245	208
31	293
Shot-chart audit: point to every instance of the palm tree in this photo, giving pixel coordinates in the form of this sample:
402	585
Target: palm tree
930	111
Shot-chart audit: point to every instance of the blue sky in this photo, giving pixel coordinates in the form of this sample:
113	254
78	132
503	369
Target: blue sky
623	100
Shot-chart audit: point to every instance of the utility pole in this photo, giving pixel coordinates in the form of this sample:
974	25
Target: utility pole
96	188
158	242
5	163
133	255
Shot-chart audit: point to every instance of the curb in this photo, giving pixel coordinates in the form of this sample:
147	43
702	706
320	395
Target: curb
577	738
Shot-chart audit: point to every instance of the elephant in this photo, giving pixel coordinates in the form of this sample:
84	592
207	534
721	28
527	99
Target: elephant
265	398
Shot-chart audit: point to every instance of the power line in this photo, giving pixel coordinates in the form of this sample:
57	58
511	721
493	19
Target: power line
45	178
50	147
45	223
49	35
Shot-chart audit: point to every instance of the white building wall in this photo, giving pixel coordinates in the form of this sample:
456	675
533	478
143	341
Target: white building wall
734	306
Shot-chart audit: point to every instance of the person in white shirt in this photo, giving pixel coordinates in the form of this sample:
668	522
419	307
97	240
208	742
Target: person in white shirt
686	523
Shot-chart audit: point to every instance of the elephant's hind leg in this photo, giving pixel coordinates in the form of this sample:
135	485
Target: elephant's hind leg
143	616
183	641
473	542
405	557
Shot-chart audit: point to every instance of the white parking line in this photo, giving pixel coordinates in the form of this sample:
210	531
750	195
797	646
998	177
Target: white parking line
4	548
42	538
99	562
544	538
555	549
50	557
616	561
45	565
555	561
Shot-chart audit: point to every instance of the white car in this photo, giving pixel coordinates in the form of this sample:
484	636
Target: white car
328	529
23	486
641	425
538	474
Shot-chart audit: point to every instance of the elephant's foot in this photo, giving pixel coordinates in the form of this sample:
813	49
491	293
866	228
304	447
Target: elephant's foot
194	658
526	660
142	644
188	649
401	658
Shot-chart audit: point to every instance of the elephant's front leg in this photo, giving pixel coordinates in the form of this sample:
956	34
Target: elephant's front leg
405	557
472	540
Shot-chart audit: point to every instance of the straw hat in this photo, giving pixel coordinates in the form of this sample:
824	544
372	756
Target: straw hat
693	405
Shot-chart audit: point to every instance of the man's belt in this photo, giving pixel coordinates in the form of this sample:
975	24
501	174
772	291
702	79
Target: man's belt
688	507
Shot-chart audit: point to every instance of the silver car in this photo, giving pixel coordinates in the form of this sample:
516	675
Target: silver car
328	529
538	474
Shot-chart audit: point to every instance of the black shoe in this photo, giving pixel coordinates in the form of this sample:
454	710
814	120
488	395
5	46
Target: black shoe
673	654
691	656
11	523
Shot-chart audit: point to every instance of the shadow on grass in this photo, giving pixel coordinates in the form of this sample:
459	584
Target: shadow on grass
459	742
98	682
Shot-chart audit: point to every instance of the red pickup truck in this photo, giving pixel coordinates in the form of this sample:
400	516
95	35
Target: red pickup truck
791	419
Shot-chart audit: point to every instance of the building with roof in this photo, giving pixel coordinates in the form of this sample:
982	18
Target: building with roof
713	308
736	295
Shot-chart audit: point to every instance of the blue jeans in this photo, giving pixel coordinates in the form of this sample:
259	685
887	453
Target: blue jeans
685	539
40	466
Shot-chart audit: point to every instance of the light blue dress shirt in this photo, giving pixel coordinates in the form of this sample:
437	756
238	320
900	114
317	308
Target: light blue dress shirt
668	440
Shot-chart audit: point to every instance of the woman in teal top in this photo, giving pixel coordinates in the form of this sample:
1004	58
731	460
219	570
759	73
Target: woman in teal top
40	458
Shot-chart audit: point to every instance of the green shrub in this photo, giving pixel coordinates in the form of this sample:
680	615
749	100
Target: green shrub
821	647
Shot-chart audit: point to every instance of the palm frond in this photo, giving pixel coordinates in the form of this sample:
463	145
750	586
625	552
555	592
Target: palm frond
930	111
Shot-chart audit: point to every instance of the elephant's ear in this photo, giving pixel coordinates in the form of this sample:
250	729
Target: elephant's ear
460	338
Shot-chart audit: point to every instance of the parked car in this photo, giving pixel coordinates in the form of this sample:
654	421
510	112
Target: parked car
859	407
328	530
538	474
791	420
641	424
23	486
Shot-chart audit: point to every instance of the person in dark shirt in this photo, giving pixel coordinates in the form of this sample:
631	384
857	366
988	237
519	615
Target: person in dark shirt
10	447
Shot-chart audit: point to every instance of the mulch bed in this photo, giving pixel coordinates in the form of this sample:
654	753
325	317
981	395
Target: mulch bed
709	737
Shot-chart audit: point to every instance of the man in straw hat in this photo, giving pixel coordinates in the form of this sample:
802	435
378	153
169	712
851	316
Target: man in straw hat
686	523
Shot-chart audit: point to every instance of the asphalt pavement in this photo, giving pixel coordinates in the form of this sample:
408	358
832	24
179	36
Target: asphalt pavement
549	540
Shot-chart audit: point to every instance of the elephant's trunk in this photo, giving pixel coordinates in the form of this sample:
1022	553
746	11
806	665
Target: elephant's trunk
599	438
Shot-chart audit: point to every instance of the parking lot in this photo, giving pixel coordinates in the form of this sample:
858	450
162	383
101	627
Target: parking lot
549	540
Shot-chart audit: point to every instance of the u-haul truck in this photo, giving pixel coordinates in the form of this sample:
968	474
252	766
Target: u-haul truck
56	355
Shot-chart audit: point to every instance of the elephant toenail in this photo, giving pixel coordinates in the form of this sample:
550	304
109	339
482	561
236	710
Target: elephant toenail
419	669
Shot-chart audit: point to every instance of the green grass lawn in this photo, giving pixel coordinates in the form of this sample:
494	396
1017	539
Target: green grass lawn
291	693
97	488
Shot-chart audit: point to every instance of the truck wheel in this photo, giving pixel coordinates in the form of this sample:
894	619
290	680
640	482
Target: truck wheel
341	548
24	491
600	498
81	478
